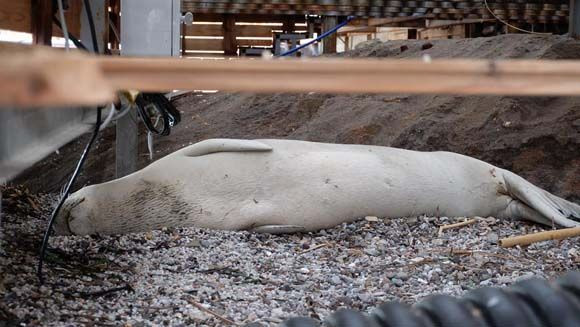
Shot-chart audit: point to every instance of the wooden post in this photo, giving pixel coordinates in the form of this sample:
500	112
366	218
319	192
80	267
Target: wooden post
41	21
229	29
183	44
127	142
329	43
574	25
116	21
310	23
288	25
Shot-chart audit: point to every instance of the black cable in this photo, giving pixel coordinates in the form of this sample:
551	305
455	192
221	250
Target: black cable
79	164
159	103
65	196
92	25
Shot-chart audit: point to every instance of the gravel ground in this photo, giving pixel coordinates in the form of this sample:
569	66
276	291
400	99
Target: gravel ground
165	277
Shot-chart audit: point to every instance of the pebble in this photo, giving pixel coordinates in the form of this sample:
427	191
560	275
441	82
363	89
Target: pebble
402	275
492	238
262	279
397	282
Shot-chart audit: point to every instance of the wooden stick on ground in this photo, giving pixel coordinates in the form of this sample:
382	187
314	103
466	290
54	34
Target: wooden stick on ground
315	248
456	225
215	314
528	239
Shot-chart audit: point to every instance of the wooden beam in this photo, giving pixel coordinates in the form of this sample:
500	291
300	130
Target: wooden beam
204	44
436	24
33	76
574	25
15	15
204	30
385	21
41	12
39	76
115	21
249	18
254	43
255	30
329	43
230	46
517	77
357	29
288	25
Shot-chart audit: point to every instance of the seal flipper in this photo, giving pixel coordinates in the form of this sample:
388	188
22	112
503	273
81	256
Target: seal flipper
541	203
223	145
278	229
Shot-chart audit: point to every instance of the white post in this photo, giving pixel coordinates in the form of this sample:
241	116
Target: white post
148	28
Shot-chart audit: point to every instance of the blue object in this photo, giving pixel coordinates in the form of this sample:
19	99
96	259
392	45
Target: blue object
320	37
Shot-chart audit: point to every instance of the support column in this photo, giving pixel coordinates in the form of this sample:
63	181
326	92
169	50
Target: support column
115	20
310	24
230	43
288	25
41	21
574	25
127	144
99	9
329	43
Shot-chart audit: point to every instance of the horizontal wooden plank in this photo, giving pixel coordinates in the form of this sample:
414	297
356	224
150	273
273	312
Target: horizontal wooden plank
204	30
205	55
204	44
33	76
255	30
451	76
248	43
249	18
38	76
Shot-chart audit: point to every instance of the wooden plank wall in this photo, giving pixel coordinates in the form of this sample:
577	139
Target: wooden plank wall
15	16
220	36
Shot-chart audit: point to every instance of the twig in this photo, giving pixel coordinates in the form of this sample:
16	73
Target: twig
107	292
315	248
528	239
456	225
412	264
215	314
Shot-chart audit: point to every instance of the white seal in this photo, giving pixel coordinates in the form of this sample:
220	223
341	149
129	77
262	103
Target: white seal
283	186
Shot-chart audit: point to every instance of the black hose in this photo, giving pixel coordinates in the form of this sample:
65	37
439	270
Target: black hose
65	196
79	166
532	302
89	12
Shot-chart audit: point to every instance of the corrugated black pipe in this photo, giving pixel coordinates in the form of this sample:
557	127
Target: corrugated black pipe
528	303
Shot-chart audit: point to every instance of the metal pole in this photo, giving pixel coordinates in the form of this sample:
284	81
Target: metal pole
127	144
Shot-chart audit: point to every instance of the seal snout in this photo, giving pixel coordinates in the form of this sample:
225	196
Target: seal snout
65	216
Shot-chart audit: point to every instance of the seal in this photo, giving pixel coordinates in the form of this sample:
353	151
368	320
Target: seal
285	186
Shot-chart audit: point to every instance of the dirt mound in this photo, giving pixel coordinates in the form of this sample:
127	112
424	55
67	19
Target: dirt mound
536	137
500	47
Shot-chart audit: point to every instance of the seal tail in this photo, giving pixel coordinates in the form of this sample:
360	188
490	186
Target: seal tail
538	205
